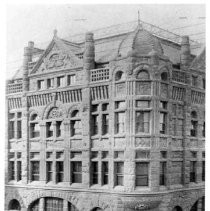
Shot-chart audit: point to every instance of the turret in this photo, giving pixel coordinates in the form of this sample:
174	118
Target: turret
27	57
185	51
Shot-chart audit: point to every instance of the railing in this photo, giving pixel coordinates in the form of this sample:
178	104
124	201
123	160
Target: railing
14	88
101	74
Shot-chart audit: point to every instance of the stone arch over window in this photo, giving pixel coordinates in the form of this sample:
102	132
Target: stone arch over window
14	205
119	75
177	208
53	105
75	122
143	74
55	113
198	204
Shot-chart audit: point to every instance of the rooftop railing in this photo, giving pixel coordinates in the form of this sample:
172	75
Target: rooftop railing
14	88
101	74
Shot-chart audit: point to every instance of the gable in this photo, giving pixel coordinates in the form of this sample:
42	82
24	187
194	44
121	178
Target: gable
57	56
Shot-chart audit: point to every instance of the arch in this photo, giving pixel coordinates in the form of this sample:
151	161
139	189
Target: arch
75	113
177	208
142	68
143	74
74	108
199	205
52	203
119	75
14	205
50	106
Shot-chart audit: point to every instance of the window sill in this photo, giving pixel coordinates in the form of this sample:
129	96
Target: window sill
119	188
142	188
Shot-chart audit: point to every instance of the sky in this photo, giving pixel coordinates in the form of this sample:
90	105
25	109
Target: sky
37	22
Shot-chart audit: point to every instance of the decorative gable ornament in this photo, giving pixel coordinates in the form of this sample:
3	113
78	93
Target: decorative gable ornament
55	113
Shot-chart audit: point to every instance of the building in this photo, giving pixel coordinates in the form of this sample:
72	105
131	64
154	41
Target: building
115	123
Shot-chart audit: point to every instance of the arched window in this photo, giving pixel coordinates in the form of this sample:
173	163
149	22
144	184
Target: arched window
119	76
143	74
164	76
76	124
14	205
55	117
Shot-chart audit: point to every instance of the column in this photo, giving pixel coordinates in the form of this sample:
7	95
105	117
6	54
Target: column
41	204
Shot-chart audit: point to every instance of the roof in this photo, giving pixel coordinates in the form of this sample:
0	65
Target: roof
199	63
108	48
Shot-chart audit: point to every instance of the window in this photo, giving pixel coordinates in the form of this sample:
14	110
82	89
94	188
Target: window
50	83
35	130
105	124
53	204
59	171
203	83
119	173
105	172
11	129
61	81
179	127
163	104
203	170
120	122
164	76
11	170
163	122
120	105
58	128
203	129
163	173
119	76
49	169
40	84
71	80
194	80
34	170
143	75
142	122
76	172
94	172
177	169
142	174
49	129
95	124
192	171
19	170
193	131
76	124
15	166
19	129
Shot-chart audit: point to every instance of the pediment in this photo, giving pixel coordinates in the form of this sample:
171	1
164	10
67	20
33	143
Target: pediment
57	56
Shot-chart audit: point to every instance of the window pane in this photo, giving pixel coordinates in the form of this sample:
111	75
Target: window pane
105	173
35	170
94	172
59	171
77	172
142	174
49	168
53	204
19	170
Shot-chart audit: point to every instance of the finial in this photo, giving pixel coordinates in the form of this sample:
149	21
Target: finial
55	31
139	21
138	18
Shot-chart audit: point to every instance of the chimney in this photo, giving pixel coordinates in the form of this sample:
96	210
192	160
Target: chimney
27	57
89	53
185	51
